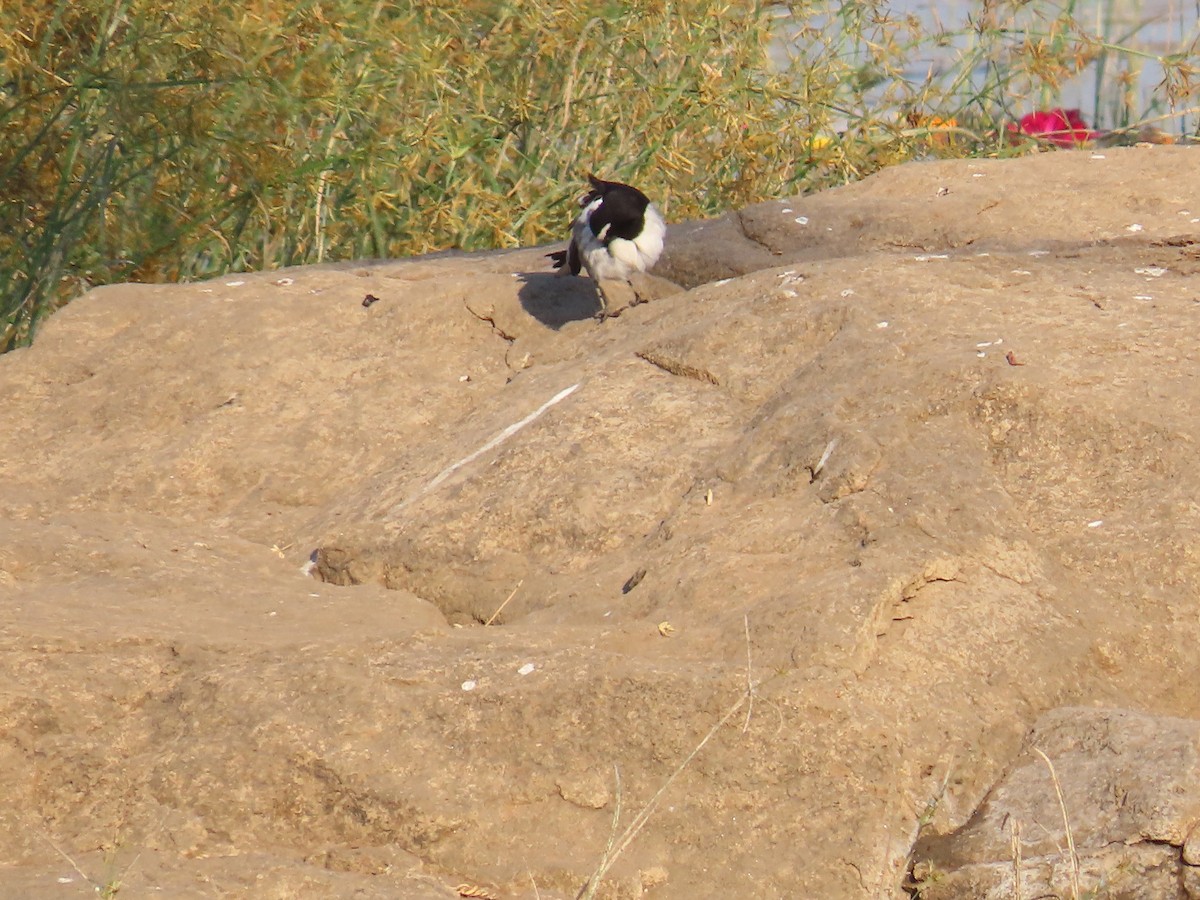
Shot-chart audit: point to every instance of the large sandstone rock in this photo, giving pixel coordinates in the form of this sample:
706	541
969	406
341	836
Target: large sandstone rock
1101	803
921	470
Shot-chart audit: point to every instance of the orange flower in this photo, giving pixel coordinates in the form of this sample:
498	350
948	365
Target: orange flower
940	129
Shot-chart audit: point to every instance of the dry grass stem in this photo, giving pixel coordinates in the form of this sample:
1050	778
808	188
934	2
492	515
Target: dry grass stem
111	887
1062	805
617	845
749	678
829	448
500	608
74	865
1014	828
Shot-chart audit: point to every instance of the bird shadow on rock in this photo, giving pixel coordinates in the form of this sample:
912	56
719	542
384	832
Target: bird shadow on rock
554	300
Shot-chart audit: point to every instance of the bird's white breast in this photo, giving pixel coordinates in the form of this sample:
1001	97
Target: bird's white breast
621	257
650	242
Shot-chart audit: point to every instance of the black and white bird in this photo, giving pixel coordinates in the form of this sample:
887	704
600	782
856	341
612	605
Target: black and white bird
617	233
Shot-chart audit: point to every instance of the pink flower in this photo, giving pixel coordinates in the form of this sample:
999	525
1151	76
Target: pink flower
1064	127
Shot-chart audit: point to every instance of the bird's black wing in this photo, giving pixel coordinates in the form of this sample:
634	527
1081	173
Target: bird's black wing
569	258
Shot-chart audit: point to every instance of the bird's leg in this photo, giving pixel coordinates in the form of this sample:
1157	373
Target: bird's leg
642	287
615	297
603	311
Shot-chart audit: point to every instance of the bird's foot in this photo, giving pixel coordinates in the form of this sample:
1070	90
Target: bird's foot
643	288
615	298
603	315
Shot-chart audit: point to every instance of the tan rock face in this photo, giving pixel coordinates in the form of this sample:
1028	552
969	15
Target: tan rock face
1101	798
922	470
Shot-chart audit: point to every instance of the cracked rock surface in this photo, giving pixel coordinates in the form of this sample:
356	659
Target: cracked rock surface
914	458
1125	787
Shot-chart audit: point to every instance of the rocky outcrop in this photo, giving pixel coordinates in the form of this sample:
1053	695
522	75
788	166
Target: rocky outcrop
390	598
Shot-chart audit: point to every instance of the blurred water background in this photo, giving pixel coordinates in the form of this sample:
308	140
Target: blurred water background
1123	79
